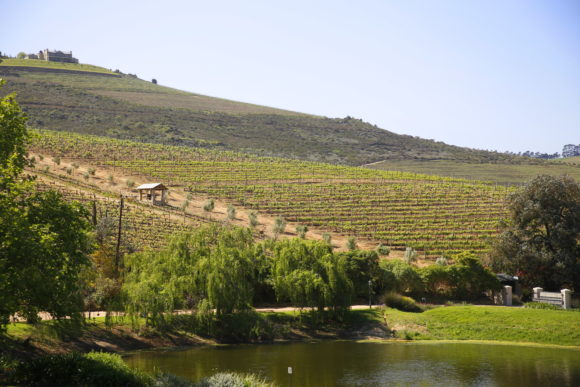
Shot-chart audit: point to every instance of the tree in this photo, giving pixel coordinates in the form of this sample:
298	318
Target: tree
44	242
309	275
213	265
21	55
540	241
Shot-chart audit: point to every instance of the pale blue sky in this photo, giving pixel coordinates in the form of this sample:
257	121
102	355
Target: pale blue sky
488	74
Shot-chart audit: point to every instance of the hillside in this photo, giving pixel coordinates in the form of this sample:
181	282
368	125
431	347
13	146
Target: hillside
435	215
500	173
92	100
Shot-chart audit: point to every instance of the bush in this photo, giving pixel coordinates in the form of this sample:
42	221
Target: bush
541	305
400	277
233	380
92	369
253	219
397	301
383	249
351	243
301	231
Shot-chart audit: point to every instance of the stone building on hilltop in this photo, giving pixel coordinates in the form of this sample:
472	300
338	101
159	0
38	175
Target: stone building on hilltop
54	56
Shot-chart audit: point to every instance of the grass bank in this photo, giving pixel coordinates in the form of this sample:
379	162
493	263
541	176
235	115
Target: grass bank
23	340
488	323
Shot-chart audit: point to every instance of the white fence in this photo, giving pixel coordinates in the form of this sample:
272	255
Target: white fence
562	299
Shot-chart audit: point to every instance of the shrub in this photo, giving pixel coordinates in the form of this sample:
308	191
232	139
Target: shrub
92	171
404	277
301	231
231	212
442	261
253	219
436	279
383	249
351	243
470	278
362	266
86	176
92	369
209	205
69	171
327	238
130	183
279	226
397	301
233	380
541	305
410	255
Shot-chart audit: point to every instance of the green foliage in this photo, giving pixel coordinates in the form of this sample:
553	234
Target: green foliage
362	266
231	212
397	301
351	243
13	138
540	244
253	219
301	231
401	277
213	264
442	261
326	237
466	279
383	249
308	274
541	305
470	278
92	369
279	226
410	255
233	380
43	239
209	205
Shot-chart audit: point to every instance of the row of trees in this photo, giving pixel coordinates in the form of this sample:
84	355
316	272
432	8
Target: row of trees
222	268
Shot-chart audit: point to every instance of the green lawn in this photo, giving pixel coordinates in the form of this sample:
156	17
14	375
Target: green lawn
54	65
488	323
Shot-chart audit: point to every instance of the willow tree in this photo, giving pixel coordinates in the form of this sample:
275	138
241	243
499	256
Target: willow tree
213	265
308	274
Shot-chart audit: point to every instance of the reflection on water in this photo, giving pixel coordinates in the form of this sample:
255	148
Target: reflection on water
343	363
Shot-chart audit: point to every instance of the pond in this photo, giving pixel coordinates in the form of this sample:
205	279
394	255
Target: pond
347	363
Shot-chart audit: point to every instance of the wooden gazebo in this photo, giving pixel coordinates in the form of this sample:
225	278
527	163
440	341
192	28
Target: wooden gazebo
150	190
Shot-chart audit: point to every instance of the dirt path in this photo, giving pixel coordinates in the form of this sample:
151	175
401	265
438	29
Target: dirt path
114	180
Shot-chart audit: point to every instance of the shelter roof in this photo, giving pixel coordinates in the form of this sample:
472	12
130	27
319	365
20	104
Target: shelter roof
152	186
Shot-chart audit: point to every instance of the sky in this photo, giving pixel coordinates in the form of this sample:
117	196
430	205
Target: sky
494	74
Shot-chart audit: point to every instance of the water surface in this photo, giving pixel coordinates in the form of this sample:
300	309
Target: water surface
345	363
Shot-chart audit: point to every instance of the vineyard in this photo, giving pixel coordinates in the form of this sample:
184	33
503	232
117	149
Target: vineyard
435	215
143	226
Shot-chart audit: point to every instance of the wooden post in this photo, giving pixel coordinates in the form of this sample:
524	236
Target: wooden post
118	248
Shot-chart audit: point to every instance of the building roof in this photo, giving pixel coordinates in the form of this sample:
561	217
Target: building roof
152	186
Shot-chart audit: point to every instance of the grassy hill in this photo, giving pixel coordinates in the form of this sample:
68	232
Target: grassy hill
92	100
501	173
436	215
